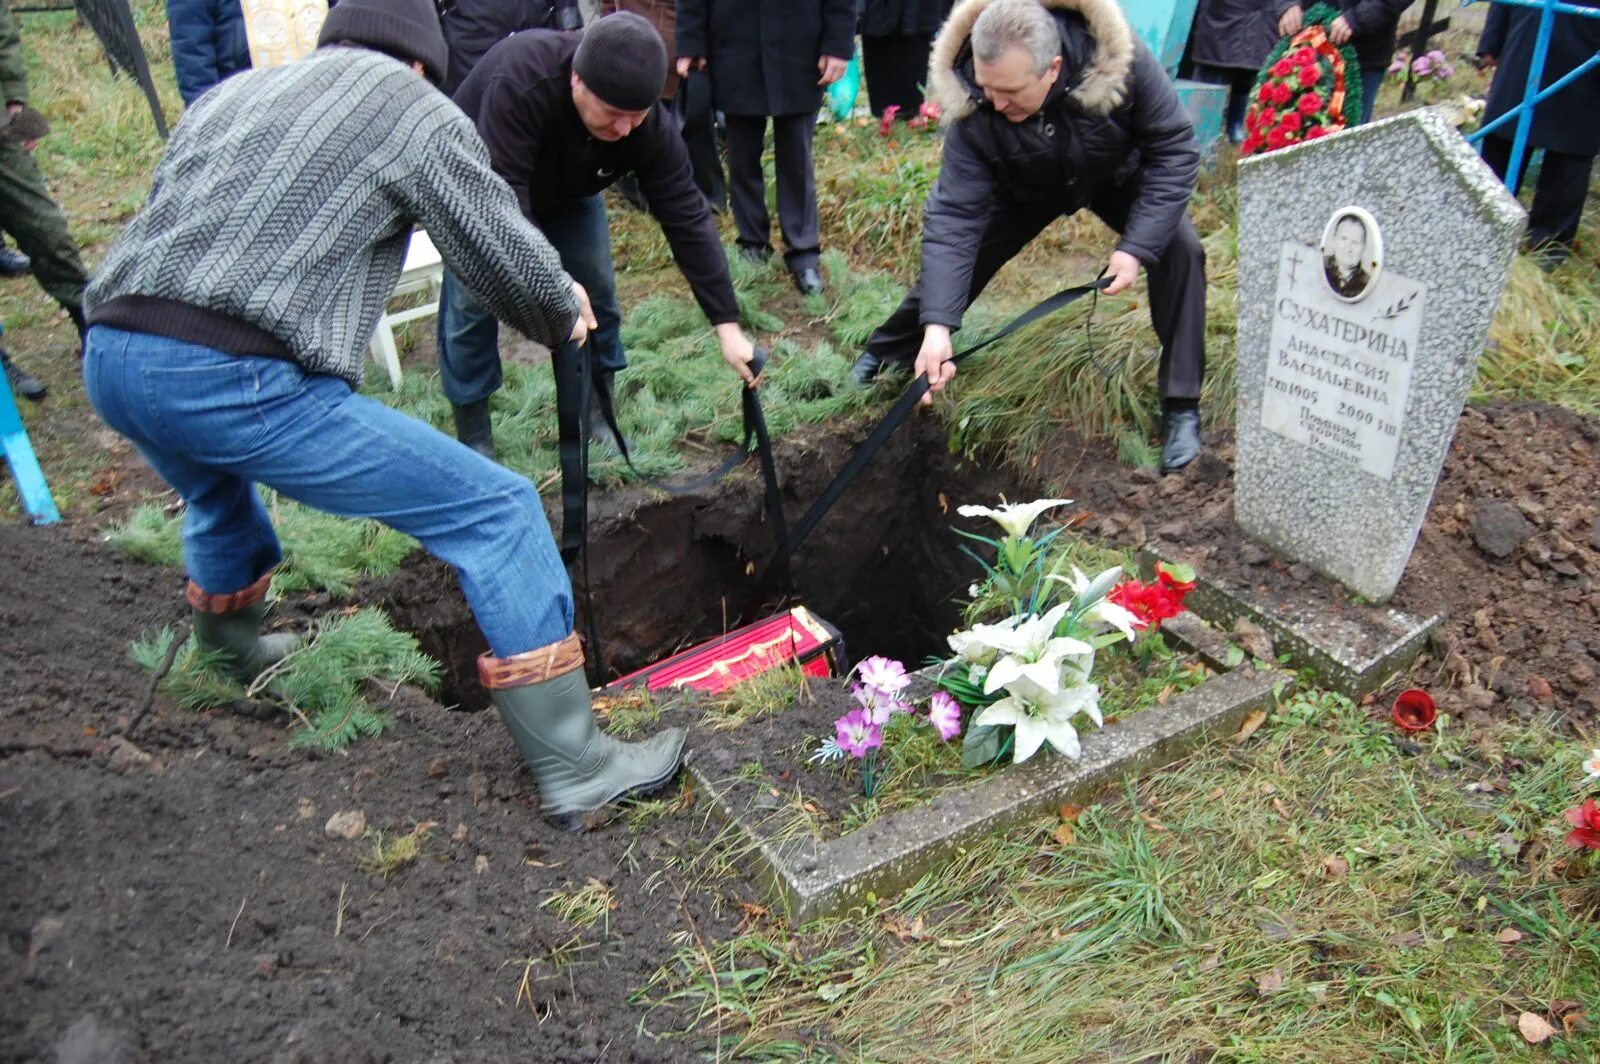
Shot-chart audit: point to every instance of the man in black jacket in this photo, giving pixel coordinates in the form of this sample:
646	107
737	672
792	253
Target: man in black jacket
564	117
770	58
1052	108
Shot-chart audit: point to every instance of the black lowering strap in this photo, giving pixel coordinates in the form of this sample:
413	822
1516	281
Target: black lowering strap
779	566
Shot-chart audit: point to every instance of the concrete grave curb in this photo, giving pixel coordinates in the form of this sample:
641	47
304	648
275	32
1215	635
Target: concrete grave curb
814	878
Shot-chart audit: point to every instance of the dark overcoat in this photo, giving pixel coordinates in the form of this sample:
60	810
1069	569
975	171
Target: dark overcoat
763	54
1236	34
886	18
1567	122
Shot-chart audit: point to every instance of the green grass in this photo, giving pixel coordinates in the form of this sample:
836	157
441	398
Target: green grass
331	689
1312	895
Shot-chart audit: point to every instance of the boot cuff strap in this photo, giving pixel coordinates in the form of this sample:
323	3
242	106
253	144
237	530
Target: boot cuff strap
532	666
205	602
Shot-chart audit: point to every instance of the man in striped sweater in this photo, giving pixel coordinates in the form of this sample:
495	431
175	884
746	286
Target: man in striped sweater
228	323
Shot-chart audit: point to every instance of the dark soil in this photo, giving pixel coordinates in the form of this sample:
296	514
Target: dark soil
1510	553
177	897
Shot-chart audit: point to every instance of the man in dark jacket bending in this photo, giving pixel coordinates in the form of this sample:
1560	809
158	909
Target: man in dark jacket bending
564	117
1053	107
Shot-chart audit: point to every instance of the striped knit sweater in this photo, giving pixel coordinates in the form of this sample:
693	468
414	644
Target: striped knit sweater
285	202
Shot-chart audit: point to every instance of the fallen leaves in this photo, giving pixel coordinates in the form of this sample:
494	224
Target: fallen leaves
1534	1028
1508	936
1270	983
1252	722
1066	832
1335	867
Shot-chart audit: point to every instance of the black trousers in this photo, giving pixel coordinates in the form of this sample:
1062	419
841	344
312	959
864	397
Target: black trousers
693	107
1177	283
896	66
1557	198
797	186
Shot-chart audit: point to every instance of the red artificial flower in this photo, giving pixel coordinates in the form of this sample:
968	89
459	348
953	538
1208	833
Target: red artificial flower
1585	821
1282	93
929	110
1309	104
1268	118
1277	138
1309	76
1264	94
1282	68
1305	57
1291	122
886	123
1313	132
1155	602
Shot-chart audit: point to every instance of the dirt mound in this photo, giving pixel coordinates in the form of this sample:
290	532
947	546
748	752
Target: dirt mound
1510	552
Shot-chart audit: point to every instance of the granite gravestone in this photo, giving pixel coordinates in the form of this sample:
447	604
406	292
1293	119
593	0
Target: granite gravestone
1370	265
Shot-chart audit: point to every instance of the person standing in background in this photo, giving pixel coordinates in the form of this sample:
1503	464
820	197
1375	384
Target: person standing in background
209	43
1564	125
896	37
472	27
770	59
1231	40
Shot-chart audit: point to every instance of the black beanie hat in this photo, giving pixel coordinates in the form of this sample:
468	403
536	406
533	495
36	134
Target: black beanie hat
623	61
405	29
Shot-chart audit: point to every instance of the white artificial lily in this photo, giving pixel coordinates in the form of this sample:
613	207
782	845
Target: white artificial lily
1591	767
1104	612
1032	652
1037	719
1015	518
976	645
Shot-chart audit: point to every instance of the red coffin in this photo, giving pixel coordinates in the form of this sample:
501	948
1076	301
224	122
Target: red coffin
718	664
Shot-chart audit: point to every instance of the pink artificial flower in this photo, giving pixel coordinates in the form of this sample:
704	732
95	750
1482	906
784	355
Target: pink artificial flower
878	706
944	713
929	110
884	675
1422	66
886	123
857	734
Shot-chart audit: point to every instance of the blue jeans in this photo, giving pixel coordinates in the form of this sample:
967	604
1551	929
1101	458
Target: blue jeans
469	336
214	424
1371	81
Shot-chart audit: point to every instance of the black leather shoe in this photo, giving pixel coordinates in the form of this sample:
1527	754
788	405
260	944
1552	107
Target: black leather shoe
1180	442
870	366
13	263
473	427
752	254
809	281
22	382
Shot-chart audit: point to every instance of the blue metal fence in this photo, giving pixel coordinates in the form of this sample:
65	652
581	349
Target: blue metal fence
1532	94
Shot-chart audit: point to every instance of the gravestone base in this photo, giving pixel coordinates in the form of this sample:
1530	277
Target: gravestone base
1353	649
812	878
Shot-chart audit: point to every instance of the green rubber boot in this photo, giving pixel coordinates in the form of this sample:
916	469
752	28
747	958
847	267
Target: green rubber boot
231	624
580	769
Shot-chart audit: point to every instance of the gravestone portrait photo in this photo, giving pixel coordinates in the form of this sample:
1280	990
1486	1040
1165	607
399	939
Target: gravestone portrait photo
1352	253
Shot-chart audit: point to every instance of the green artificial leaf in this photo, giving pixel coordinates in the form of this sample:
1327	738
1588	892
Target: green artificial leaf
983	744
1183	574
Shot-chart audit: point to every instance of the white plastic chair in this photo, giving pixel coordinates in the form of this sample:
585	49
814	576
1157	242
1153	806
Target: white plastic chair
423	272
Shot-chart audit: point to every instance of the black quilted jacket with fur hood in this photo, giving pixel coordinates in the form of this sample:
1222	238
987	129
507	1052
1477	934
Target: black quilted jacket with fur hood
1113	117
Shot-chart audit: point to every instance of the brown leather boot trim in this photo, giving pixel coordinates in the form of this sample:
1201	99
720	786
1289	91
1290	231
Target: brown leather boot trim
531	666
205	602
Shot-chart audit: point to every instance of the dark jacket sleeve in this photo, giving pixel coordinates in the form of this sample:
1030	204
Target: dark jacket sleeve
667	181
1366	16
838	28
1169	159
193	29
13	72
953	224
693	35
1495	24
510	123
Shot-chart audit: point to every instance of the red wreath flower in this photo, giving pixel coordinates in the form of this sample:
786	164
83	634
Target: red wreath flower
1313	132
1265	95
1291	122
1585	821
1277	138
1282	93
1304	57
1268	118
1282	68
1309	76
1309	104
